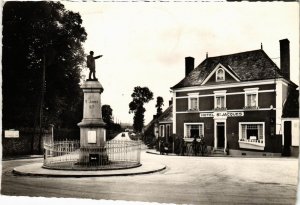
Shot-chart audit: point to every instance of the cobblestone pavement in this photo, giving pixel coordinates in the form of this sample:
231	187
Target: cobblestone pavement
188	180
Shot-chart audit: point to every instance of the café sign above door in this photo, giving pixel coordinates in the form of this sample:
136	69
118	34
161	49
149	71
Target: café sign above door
222	114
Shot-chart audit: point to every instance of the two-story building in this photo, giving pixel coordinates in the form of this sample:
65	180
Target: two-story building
235	101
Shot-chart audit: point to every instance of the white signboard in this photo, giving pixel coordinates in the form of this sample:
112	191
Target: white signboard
206	114
222	114
11	133
91	136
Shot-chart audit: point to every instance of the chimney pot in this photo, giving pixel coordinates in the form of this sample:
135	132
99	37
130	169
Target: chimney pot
189	65
285	57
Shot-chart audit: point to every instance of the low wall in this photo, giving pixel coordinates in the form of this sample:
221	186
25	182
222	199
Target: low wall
27	143
245	153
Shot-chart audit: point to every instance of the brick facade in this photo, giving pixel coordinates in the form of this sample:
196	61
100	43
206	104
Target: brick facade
235	102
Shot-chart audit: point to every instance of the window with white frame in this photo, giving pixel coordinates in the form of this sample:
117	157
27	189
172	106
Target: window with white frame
252	132
220	75
161	130
193	101
251	97
192	130
251	100
168	130
220	99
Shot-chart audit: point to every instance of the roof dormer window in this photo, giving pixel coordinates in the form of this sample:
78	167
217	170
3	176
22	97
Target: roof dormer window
220	75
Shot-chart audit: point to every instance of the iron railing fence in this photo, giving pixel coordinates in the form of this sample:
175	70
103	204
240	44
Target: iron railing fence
115	154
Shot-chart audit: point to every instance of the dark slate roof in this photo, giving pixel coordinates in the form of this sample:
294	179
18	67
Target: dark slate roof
246	66
167	115
149	127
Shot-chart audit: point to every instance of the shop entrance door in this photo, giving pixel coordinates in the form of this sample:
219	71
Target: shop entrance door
220	134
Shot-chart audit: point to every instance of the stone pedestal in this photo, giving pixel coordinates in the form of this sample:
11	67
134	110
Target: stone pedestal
92	127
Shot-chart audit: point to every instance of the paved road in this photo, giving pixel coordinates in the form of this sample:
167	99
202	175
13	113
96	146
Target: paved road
193	180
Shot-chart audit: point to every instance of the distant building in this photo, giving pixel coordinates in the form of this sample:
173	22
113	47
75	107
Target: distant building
149	128
239	103
164	123
128	127
161	126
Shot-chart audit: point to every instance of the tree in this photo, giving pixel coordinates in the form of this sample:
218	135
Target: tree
107	114
139	96
42	58
159	104
111	127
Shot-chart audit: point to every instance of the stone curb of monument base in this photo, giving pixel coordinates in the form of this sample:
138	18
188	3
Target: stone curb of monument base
36	169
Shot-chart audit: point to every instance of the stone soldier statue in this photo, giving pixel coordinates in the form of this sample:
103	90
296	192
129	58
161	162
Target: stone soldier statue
91	65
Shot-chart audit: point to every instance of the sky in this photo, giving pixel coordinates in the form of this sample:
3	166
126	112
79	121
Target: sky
145	44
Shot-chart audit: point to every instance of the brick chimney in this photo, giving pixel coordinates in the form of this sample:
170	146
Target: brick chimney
189	65
285	57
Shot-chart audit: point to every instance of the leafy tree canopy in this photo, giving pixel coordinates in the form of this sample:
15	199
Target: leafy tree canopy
38	35
112	128
139	96
107	114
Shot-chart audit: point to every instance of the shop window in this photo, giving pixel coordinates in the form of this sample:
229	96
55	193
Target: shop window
193	130
252	132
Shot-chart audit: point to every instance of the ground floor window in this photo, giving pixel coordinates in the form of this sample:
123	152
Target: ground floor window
252	132
193	130
161	130
168	130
